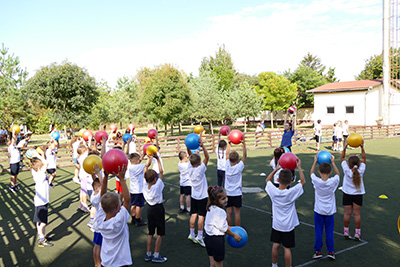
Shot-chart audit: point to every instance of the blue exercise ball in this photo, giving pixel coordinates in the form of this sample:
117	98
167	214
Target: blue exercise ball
55	135
126	137
192	141
243	234
324	156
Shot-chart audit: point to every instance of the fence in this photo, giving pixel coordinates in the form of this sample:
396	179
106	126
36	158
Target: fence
170	146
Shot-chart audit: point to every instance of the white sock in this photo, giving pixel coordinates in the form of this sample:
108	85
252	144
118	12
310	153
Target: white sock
182	207
148	253
192	232
188	209
156	254
200	234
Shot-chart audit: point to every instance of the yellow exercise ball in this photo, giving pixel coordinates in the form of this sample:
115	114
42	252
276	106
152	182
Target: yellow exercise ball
354	140
81	132
89	163
15	128
198	129
152	150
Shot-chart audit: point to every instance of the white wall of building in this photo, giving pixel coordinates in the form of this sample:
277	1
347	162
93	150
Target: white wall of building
394	109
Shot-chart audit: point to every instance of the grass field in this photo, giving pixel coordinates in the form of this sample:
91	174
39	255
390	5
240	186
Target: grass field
73	240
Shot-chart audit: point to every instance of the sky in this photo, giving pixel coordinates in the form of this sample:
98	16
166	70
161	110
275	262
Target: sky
112	39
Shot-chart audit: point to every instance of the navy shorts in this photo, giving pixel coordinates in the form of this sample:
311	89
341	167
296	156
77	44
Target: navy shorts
14	169
286	238
221	177
156	219
186	190
41	214
137	200
348	200
317	138
215	246
198	207
235	201
97	238
51	171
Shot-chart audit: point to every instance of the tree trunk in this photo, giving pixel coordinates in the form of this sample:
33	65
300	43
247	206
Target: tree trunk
180	128
272	120
165	130
172	129
245	124
211	128
65	131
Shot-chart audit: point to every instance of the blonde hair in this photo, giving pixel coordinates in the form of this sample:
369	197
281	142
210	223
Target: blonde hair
36	164
109	201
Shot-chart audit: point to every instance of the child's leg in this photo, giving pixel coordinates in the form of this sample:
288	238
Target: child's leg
138	212
133	210
229	215
13	180
347	215
236	210
275	252
181	205
158	244
200	223
41	229
357	215
329	225
319	230
96	255
149	240
288	257
188	203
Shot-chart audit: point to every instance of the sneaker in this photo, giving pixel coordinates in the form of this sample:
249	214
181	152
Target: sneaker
159	259
182	211
12	189
331	255
317	255
346	235
357	236
90	224
16	188
76	180
51	185
84	209
200	242
44	243
140	223
148	258
192	238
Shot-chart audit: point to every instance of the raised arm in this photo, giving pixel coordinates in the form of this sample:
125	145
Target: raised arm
103	146
363	156
160	175
206	156
334	166
244	150
271	175
287	114
314	164
148	163
124	186
343	156
302	179
104	184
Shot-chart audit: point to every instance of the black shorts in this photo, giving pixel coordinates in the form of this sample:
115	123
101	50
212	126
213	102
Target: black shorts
186	190
235	201
198	207
41	214
137	200
156	219
215	246
14	169
51	171
317	138
286	238
348	200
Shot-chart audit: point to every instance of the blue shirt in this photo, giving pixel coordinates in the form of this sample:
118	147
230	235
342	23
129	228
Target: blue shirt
287	138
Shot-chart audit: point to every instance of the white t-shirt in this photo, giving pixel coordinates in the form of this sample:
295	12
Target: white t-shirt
216	223
136	177
283	206
75	147
41	187
115	250
132	147
15	156
184	178
83	175
51	158
345	129
153	195
339	132
95	200
221	158
318	130
233	178
348	186
198	181
276	175
155	163
325	201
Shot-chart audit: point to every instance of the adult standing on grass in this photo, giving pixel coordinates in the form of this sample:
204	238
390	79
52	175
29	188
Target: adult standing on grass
288	132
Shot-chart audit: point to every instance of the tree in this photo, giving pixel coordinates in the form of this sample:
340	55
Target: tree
66	89
164	94
276	91
373	69
12	78
221	67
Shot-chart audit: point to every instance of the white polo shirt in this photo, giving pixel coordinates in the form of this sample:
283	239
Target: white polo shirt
233	178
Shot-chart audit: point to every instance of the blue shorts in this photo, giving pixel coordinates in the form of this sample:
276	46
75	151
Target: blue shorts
97	238
137	200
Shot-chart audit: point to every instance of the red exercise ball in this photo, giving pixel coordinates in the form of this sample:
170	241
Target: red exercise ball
86	134
236	137
113	127
152	133
131	127
146	146
288	161
99	136
113	159
225	130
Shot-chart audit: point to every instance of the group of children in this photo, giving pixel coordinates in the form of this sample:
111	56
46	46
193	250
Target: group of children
340	132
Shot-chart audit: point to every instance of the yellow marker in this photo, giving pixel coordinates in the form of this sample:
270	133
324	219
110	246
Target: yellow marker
383	197
398	224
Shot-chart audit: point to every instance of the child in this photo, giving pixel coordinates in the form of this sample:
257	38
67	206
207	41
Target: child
184	182
198	200
353	190
156	168
41	199
130	144
96	185
259	131
274	162
51	158
95	200
111	221
324	206
339	136
221	160
334	138
84	178
288	132
15	158
318	134
75	143
136	176
285	217
233	184
345	129
152	192
216	226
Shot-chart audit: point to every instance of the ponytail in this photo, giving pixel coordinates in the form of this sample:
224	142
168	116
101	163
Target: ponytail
354	162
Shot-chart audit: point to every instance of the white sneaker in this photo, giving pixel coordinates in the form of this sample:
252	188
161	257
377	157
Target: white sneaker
200	241
76	180
192	238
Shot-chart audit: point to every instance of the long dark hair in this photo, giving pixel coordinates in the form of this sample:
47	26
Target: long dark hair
354	163
277	154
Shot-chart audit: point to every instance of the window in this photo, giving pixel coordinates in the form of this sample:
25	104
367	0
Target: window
350	110
330	110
